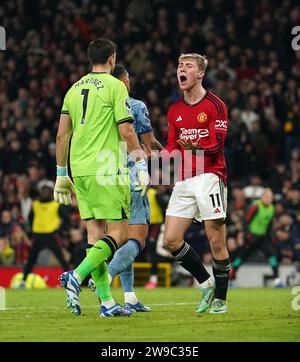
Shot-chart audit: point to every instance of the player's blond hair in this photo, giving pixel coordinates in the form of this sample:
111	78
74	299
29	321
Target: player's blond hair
200	60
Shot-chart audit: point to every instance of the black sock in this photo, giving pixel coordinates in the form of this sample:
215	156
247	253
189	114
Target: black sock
221	270
111	242
191	261
275	271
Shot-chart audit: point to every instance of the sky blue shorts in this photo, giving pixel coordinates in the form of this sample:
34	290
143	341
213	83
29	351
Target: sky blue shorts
139	209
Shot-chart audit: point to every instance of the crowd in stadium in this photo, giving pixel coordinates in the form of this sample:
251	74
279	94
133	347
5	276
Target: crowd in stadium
251	66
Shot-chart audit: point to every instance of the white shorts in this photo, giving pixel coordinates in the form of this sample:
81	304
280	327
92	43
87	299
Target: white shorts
203	197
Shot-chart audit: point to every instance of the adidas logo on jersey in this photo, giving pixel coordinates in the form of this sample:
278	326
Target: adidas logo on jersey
217	211
178	119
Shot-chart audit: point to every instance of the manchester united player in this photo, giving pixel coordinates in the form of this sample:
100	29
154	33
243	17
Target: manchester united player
199	122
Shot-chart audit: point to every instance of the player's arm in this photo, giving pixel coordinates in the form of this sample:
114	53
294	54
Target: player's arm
129	136
172	138
144	128
63	183
149	139
217	132
172	135
121	106
253	210
63	137
251	213
123	118
30	220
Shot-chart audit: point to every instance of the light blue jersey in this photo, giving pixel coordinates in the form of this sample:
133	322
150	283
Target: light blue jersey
140	115
141	125
139	213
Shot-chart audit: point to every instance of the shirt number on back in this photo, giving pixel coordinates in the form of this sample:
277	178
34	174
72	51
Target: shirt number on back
84	93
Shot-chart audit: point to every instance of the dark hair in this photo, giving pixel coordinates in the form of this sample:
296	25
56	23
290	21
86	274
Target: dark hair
99	50
119	71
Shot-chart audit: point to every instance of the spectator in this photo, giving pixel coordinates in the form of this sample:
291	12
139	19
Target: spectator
6	224
7	253
255	189
21	244
283	242
45	223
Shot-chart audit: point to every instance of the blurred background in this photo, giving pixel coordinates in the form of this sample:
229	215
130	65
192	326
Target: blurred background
251	66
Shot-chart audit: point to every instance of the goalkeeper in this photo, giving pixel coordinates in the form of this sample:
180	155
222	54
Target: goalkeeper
96	117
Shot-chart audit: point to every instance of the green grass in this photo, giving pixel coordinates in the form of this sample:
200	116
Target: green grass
254	315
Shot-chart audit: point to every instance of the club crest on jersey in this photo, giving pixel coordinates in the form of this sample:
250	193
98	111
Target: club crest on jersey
202	117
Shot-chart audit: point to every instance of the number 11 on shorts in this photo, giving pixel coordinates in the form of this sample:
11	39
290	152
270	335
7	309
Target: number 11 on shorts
215	199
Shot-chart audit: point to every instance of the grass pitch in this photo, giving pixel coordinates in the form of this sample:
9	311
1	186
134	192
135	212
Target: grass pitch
254	315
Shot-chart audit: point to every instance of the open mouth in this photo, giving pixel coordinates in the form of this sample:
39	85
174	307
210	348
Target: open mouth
182	78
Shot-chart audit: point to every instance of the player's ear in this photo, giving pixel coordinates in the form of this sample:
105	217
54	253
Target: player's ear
201	75
112	60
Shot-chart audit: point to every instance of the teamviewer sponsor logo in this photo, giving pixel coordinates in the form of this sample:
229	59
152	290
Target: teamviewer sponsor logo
2	38
193	133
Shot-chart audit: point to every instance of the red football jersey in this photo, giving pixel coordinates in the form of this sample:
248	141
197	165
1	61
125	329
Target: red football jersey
206	120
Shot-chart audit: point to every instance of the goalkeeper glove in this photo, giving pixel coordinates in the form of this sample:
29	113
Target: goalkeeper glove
143	177
63	186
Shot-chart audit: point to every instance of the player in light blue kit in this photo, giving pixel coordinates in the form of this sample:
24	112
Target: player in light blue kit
122	262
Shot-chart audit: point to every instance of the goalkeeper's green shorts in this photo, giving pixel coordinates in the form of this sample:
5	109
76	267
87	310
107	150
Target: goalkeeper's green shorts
103	197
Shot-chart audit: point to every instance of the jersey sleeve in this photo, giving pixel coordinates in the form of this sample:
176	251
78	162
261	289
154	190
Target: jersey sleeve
65	107
217	130
143	119
121	104
251	213
172	135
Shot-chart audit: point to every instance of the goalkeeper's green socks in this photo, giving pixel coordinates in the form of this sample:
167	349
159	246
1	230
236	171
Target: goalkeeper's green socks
99	253
100	277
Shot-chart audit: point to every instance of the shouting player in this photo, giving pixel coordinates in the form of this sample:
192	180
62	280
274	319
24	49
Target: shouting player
96	113
199	122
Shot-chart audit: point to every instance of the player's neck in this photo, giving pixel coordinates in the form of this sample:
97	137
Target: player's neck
102	68
194	95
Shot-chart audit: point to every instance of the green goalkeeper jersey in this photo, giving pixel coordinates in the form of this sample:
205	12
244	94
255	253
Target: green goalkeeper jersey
97	104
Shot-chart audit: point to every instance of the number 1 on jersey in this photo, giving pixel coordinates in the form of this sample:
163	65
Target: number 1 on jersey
85	93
